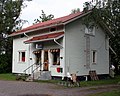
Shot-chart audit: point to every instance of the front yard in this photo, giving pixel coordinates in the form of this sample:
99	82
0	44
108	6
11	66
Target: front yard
111	93
108	87
107	81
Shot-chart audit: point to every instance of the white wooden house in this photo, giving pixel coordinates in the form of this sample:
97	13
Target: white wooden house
62	45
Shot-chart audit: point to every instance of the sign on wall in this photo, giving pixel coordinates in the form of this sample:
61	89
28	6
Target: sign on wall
39	46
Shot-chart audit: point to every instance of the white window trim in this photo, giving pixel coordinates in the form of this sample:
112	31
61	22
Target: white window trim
88	32
20	56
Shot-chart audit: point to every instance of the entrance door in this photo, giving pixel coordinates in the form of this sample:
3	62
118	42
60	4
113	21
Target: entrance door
38	59
45	67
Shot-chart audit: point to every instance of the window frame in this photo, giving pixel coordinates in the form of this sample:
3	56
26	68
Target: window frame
56	60
88	32
94	56
53	29
22	56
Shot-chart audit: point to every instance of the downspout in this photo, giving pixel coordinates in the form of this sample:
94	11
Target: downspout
57	43
60	46
26	35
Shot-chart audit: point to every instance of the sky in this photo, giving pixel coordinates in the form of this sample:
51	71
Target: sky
58	8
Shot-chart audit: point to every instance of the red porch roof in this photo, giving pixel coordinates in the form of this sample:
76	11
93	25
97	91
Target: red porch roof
49	23
45	37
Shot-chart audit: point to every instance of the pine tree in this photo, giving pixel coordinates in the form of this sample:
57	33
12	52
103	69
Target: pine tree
43	17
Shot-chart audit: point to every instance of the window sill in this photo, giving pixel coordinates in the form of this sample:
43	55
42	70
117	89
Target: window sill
55	66
21	62
94	63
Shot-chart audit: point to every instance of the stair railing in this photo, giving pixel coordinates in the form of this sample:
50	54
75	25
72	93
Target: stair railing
33	71
31	66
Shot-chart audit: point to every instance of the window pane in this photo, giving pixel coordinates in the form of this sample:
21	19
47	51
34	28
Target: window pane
56	56
94	56
90	30
19	57
52	29
23	56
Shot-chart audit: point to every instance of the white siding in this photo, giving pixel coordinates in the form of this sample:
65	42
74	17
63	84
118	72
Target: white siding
18	45
98	43
75	50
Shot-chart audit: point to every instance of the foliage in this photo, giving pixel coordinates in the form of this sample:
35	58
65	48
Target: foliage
107	11
10	11
44	17
75	10
5	63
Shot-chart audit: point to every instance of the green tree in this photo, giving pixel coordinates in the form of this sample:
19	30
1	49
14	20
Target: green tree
43	17
107	11
10	11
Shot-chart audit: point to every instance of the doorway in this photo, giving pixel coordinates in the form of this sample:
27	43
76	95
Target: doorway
38	60
45	66
38	57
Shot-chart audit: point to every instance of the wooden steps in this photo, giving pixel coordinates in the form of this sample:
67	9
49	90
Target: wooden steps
93	75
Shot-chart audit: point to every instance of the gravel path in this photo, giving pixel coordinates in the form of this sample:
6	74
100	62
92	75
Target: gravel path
19	88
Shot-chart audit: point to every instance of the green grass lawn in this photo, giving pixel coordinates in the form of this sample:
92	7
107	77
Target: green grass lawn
7	76
112	93
89	83
101	82
10	76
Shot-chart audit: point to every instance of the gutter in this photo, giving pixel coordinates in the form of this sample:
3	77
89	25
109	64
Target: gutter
35	29
37	41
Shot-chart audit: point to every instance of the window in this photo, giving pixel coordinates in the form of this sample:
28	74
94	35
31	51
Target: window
21	56
90	30
52	29
56	56
94	56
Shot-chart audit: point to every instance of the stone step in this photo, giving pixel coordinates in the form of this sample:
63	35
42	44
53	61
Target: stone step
29	79
41	75
45	75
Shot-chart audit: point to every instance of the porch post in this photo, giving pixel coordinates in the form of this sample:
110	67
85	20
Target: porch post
42	59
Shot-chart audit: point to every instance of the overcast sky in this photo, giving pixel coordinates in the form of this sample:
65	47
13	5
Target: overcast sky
58	8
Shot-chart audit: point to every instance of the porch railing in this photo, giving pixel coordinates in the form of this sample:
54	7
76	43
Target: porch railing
32	69
31	66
